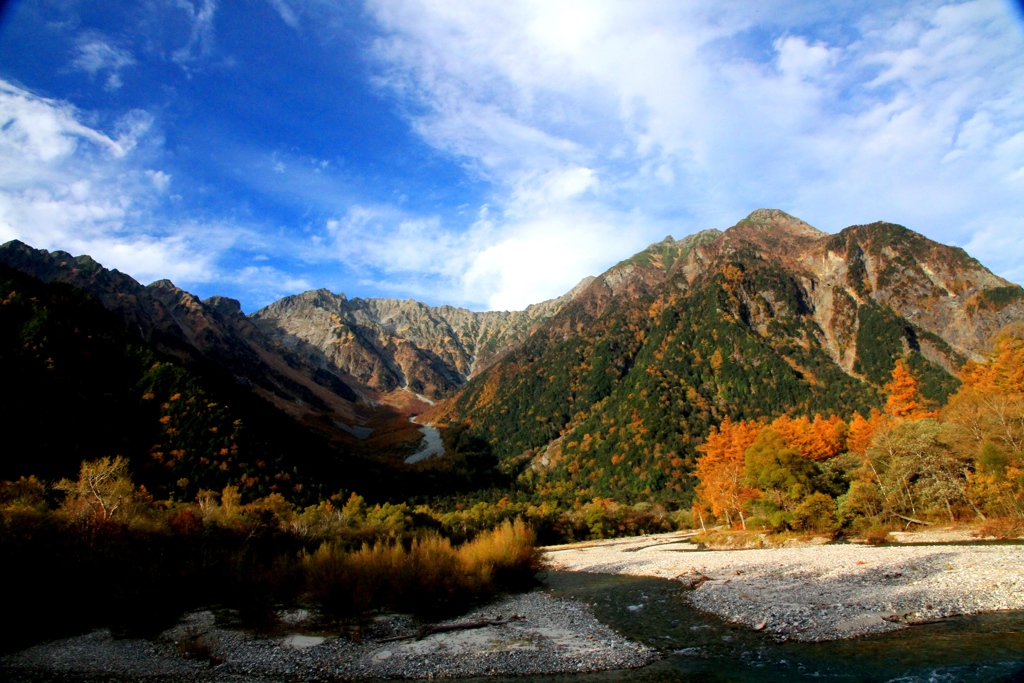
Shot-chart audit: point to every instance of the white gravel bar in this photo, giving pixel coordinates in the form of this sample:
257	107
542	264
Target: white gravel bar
549	635
819	592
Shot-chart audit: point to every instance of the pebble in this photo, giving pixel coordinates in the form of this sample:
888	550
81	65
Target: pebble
556	636
820	592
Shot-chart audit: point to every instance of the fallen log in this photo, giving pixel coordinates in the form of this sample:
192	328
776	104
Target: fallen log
914	521
460	626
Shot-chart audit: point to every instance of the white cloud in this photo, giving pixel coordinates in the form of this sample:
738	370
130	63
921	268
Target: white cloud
42	130
161	181
288	14
95	55
267	283
200	15
546	256
65	185
594	113
548	236
798	59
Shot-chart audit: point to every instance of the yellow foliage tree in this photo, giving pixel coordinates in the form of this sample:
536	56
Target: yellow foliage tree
986	417
720	469
103	491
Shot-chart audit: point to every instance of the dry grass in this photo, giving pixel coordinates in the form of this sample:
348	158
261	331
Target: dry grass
430	577
877	535
732	539
1003	528
194	646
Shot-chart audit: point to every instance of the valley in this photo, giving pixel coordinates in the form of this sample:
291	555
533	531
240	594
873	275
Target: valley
605	391
763	385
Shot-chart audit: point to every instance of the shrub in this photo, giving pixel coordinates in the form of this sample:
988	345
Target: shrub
816	513
863	501
682	519
1004	528
429	578
759	523
877	535
27	493
780	520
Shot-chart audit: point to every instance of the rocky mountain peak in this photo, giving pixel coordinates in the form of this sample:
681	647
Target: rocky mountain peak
774	219
773	234
389	344
160	285
572	293
224	305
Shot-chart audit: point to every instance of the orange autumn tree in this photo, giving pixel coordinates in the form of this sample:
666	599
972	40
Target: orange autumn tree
905	401
720	469
862	431
1002	371
819	439
988	415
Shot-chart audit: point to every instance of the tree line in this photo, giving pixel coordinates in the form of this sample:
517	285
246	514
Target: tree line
912	463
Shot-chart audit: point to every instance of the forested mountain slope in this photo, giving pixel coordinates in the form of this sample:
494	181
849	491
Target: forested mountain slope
607	390
612	395
214	331
78	385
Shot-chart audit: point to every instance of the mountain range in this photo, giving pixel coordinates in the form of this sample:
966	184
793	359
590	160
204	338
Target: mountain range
606	390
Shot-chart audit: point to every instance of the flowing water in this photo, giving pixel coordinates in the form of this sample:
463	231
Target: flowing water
701	648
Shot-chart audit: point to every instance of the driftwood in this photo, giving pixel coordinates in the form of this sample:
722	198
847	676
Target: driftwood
908	619
693	581
460	626
896	617
914	521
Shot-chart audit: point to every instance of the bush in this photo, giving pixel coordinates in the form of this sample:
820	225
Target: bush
1003	528
863	501
430	578
780	520
816	513
761	523
877	535
682	519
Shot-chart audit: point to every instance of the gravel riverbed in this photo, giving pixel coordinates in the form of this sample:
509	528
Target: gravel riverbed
806	593
553	635
821	592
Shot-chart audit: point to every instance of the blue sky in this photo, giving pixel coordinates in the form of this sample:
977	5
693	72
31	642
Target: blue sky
492	154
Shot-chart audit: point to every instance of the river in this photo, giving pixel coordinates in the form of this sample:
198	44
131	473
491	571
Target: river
432	444
986	648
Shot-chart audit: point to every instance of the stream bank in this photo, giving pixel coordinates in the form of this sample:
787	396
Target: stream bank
819	592
628	620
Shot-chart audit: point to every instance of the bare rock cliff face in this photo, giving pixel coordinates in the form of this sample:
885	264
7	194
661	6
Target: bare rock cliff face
938	289
950	304
390	344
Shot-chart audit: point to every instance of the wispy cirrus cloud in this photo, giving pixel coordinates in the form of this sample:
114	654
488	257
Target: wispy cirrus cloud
690	116
95	55
66	185
200	14
288	15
